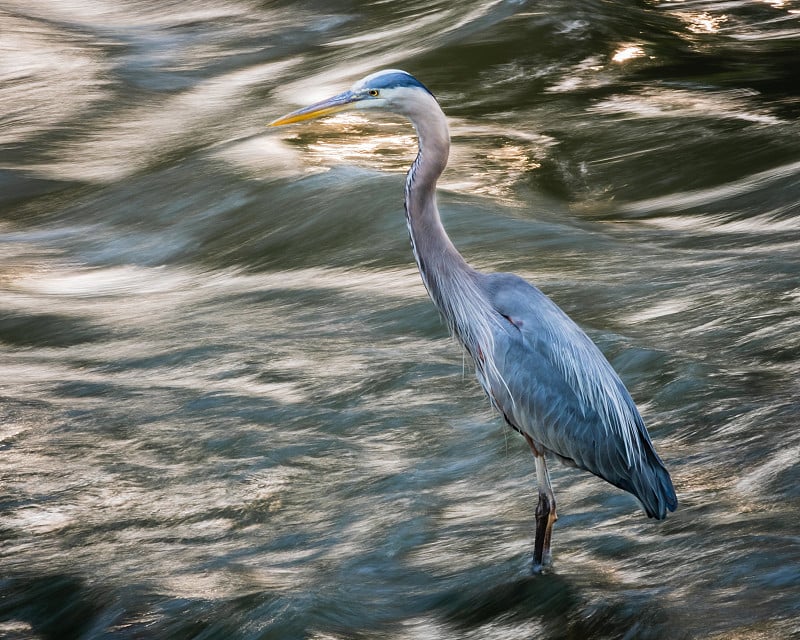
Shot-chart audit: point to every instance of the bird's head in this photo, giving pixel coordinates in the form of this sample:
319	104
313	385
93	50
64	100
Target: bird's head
390	90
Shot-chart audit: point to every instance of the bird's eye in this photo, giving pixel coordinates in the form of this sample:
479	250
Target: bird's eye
373	92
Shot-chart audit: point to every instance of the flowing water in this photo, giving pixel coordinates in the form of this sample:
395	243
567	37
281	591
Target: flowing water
227	407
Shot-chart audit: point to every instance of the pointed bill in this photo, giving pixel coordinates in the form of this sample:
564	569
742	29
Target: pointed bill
340	102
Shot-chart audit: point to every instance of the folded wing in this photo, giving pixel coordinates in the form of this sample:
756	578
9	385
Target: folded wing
558	388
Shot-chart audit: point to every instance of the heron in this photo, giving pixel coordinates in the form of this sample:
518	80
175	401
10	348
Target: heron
541	372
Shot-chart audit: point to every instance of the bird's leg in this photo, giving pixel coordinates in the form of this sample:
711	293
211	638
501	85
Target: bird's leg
545	511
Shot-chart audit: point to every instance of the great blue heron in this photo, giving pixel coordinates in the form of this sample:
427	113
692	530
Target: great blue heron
538	368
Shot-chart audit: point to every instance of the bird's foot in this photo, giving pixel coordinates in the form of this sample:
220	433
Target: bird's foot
545	517
540	568
543	565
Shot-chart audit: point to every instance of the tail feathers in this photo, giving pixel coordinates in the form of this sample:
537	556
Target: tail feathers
648	480
653	487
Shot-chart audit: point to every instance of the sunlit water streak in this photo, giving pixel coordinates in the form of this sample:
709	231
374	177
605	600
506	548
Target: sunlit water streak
227	408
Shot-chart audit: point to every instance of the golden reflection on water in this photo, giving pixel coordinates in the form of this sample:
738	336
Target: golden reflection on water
492	167
484	160
627	52
378	144
707	23
701	22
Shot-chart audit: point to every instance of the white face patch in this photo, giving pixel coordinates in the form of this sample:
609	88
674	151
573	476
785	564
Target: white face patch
372	102
390	99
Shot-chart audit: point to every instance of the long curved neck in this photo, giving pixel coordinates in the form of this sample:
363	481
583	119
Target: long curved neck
438	260
452	284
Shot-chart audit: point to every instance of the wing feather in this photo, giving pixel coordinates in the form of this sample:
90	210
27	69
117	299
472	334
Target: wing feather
559	388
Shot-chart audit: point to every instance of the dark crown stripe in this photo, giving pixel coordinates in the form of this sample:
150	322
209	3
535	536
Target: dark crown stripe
396	80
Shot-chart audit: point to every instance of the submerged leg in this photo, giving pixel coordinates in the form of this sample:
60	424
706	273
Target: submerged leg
545	511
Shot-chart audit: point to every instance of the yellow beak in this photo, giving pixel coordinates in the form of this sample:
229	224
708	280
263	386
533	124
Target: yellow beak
340	102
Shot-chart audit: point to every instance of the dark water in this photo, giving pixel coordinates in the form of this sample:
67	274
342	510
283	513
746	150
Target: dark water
228	408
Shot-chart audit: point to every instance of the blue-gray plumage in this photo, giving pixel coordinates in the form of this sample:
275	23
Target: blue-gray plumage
559	381
539	369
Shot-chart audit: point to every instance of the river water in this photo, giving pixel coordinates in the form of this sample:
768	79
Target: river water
227	407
